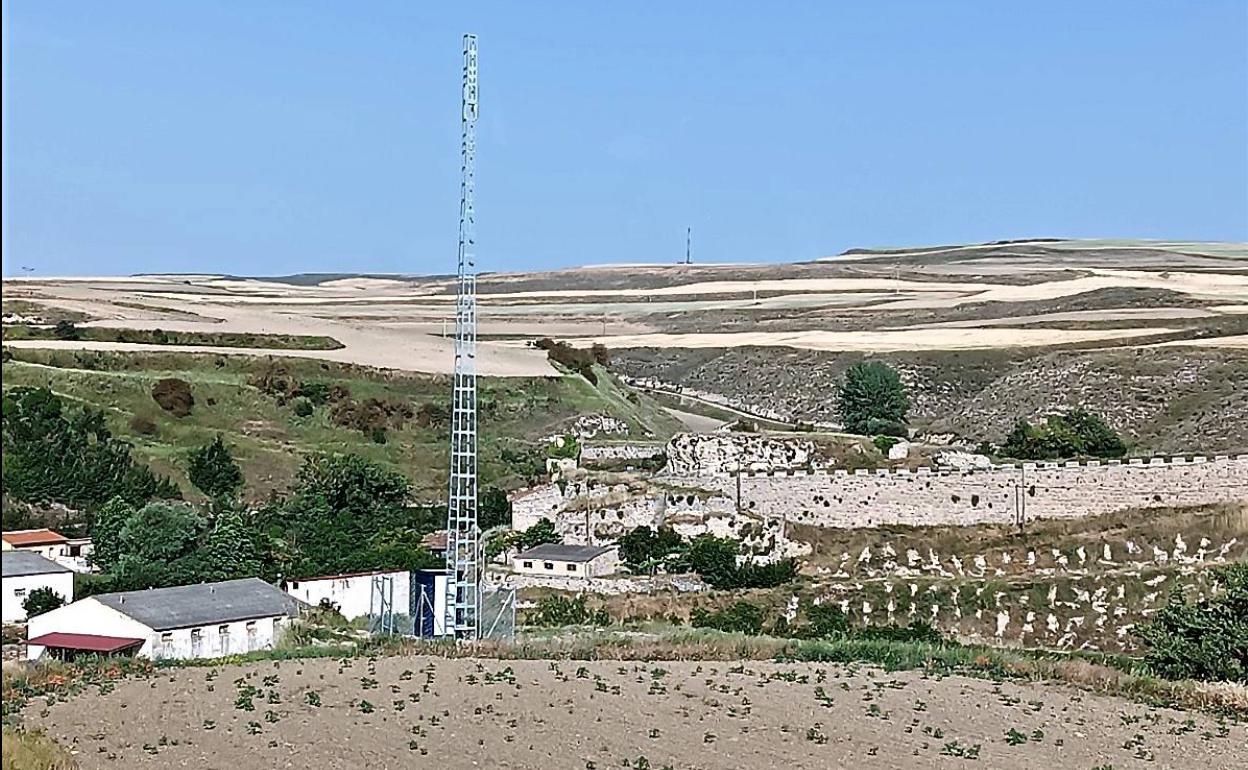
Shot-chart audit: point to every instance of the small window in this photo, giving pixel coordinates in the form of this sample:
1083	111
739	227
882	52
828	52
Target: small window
223	630
251	626
528	565
196	634
295	585
548	565
571	568
166	637
19	591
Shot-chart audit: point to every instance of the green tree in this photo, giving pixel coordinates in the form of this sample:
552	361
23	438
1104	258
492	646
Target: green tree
232	548
541	532
41	600
1206	639
55	454
872	400
105	529
213	471
1074	433
739	618
495	508
336	505
162	532
714	559
644	549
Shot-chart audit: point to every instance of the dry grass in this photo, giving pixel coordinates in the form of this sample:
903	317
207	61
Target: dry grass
32	750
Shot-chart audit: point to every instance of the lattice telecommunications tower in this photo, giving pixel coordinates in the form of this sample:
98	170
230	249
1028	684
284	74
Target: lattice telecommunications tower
463	585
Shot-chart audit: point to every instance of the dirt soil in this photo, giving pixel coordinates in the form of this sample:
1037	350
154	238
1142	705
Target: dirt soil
433	712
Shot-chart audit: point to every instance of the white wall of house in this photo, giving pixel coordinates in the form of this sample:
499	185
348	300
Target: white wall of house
352	594
87	616
212	641
46	551
17	588
605	564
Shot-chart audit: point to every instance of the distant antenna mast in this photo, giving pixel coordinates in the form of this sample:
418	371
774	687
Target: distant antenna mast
463	584
688	245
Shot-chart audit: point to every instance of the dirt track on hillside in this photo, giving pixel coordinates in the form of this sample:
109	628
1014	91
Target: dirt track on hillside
460	714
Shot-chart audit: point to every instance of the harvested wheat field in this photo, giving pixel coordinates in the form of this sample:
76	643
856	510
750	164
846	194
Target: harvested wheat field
395	712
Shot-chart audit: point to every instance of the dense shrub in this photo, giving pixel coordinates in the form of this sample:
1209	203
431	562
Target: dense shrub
739	617
494	509
302	407
715	560
41	600
143	425
826	621
885	443
645	549
174	396
872	400
213	471
579	360
372	416
52	453
1206	639
1073	433
65	330
917	631
554	611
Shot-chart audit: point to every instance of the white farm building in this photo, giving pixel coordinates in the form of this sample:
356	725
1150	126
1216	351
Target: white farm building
208	620
25	571
417	599
567	561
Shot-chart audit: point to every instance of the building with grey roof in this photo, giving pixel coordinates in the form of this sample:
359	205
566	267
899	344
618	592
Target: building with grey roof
567	561
207	620
25	572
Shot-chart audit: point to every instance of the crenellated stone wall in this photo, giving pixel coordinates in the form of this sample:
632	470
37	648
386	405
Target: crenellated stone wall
1000	494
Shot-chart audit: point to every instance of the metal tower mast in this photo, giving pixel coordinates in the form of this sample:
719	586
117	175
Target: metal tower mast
463	587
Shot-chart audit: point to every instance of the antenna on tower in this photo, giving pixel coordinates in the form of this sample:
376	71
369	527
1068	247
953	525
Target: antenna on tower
688	245
463	578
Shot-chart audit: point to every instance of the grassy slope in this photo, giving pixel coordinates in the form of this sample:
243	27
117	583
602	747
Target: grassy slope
268	439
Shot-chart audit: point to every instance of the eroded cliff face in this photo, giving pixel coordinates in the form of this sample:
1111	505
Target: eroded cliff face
703	454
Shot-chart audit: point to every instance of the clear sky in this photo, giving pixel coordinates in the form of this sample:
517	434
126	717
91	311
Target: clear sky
254	137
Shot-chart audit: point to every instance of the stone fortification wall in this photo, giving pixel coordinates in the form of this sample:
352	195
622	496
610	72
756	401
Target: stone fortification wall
623	451
1000	494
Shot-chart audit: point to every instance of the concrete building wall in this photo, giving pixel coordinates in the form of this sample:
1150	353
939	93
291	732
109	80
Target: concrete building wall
17	588
212	641
87	616
606	564
352	594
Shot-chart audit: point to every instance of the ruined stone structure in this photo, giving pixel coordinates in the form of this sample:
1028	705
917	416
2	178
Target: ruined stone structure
699	454
591	453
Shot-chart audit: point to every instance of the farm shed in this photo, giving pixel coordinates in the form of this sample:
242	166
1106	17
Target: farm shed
25	571
415	600
555	559
208	620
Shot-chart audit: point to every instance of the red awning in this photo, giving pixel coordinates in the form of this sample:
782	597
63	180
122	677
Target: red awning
85	642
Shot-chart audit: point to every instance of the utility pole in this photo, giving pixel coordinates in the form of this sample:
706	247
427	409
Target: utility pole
688	245
463	566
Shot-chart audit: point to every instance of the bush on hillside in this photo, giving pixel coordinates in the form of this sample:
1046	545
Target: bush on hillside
302	407
554	611
174	396
1073	433
739	618
579	360
143	425
213	471
1206	639
872	400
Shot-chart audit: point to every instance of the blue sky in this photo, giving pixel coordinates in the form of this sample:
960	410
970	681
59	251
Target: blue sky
276	137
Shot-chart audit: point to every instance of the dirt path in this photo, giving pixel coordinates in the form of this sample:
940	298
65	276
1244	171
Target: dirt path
461	714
